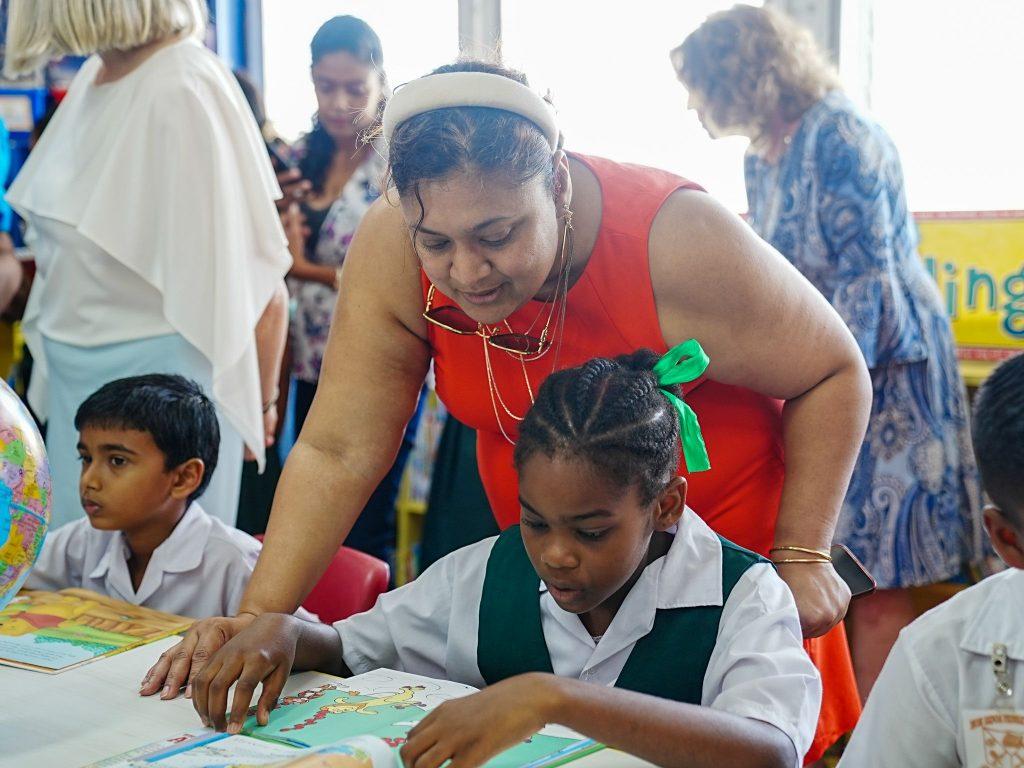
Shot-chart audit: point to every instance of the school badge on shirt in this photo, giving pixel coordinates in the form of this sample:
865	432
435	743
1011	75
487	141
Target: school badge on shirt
993	738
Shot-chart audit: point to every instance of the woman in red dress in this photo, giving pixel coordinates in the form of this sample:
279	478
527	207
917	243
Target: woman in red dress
508	258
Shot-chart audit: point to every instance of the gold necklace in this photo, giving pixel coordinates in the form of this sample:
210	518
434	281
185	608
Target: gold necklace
561	292
495	393
561	286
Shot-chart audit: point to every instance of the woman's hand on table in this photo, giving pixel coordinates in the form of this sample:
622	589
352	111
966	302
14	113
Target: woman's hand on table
821	595
178	666
263	653
471	730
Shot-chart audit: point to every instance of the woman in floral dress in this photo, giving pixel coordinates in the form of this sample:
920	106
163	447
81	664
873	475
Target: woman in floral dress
345	175
825	188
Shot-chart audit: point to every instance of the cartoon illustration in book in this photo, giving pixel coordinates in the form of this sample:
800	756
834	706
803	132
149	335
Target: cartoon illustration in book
403	698
304	697
84	616
53	631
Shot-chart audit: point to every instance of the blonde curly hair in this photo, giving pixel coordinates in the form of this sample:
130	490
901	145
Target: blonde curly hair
746	65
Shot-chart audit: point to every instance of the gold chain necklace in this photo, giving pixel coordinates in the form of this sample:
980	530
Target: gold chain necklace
495	393
561	287
565	257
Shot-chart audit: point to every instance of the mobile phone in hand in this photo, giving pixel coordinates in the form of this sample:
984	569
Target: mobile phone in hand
278	160
852	571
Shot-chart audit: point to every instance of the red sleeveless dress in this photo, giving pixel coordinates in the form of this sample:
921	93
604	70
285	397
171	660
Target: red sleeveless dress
611	311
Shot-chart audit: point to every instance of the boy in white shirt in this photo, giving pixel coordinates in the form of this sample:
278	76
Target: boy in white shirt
951	692
612	609
148	447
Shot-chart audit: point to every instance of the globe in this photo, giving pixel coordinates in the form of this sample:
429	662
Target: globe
25	493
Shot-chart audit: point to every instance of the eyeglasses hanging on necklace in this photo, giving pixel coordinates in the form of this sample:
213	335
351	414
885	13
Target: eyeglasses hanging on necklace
524	345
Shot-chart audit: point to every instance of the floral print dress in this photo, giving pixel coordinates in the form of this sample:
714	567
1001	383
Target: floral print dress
314	302
834	205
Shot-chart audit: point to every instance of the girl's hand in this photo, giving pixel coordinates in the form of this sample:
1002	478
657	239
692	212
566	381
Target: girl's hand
263	653
471	730
821	595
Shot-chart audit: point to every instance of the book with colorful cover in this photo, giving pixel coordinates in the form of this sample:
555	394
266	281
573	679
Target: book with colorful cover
359	722
56	631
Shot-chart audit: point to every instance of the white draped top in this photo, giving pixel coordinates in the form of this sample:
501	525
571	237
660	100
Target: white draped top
151	204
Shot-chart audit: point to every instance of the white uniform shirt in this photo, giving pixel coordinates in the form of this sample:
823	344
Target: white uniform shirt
941	666
758	668
200	570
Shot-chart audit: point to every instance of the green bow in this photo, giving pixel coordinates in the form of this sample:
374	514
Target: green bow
682	364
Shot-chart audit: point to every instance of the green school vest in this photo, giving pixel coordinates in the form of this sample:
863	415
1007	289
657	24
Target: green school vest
668	662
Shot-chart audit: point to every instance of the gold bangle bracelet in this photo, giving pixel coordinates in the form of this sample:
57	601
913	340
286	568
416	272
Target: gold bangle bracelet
806	550
786	560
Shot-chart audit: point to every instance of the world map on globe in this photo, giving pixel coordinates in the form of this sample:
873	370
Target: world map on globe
25	494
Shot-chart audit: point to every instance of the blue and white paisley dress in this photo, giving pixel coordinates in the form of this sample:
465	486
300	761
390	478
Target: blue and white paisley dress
834	205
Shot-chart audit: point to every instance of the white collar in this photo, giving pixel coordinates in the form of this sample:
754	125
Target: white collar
998	618
181	551
688	575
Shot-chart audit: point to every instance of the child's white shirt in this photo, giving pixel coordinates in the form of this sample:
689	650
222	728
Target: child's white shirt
758	668
939	668
200	570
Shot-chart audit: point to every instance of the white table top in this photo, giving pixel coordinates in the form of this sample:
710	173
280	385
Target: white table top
93	712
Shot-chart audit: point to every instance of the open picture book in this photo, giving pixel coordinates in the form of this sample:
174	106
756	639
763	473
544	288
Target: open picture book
56	631
355	722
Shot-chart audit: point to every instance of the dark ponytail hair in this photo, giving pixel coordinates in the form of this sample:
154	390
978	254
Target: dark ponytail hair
436	143
611	414
341	34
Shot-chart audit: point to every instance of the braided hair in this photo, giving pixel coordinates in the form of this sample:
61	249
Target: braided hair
612	414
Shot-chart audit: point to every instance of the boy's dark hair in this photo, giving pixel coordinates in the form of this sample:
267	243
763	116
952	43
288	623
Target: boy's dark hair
611	414
999	438
172	409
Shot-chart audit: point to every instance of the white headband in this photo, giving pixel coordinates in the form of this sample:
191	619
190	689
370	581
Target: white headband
469	89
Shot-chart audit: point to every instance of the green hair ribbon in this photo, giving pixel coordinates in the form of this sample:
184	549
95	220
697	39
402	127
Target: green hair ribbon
682	364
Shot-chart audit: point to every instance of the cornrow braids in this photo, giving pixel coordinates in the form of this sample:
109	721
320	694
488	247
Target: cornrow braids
612	414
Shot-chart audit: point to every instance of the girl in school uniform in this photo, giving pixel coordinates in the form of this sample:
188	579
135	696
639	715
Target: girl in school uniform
612	608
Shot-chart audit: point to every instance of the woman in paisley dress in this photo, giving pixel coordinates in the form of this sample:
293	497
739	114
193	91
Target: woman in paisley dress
825	188
344	175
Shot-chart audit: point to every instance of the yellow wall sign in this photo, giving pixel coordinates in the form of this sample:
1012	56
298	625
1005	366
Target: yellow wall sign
977	259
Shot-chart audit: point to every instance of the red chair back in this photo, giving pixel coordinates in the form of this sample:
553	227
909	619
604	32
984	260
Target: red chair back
350	585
